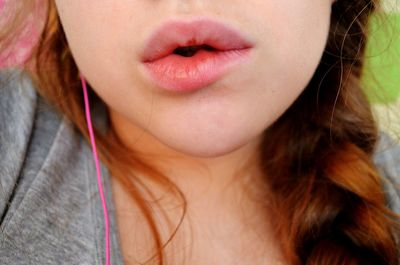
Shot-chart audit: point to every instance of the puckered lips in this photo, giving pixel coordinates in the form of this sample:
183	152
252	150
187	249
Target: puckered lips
187	55
195	33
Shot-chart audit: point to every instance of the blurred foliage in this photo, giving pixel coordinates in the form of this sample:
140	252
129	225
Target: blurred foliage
381	75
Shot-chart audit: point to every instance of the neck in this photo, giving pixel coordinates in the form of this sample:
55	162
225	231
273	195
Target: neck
196	177
227	198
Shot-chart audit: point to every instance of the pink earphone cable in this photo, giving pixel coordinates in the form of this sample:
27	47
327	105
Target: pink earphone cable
96	159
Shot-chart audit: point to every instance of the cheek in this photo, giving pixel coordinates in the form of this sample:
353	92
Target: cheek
93	30
295	37
299	36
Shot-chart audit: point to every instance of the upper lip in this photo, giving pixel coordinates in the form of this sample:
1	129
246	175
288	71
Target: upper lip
200	31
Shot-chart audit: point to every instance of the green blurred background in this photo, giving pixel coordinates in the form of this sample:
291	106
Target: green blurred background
381	75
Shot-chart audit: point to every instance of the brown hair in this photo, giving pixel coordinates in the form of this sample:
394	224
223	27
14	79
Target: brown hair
327	194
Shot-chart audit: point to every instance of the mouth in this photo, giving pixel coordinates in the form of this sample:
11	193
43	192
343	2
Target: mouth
190	51
186	38
185	56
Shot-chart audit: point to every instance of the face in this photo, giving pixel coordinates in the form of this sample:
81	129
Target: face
107	39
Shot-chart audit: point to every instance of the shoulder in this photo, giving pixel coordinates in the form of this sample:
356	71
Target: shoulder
387	161
46	182
16	87
28	127
18	102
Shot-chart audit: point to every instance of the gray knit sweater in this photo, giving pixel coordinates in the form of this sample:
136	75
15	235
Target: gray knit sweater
50	209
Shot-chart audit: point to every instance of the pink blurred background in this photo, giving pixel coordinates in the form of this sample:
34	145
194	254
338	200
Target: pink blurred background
17	51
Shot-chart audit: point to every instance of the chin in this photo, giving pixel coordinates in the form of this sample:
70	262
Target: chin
201	152
208	147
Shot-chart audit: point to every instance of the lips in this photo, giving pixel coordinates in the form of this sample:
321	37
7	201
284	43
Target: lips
175	34
187	55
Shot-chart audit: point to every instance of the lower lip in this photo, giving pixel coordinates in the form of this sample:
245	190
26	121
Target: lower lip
183	74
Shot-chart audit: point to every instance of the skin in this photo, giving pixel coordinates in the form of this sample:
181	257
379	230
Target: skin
200	139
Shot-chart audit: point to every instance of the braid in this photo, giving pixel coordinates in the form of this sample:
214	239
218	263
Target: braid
329	198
